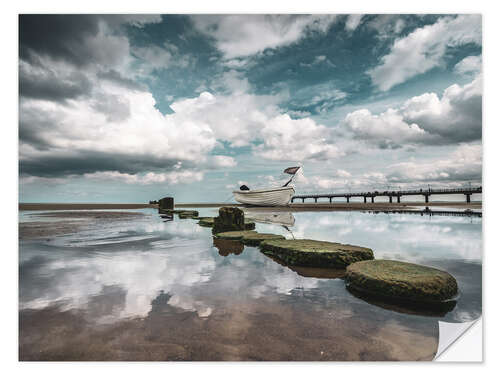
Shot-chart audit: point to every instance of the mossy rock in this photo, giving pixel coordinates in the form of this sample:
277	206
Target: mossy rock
311	253
249	237
209	222
206	222
227	247
184	212
403	281
249	224
229	219
188	214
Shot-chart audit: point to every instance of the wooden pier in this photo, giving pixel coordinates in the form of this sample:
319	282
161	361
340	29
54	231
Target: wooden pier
393	194
429	212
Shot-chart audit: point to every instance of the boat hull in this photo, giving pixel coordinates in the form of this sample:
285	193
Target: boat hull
265	197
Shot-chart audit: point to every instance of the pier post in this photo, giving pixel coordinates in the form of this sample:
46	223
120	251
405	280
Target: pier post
364	197
303	200
373	199
399	198
347	198
315	200
468	197
330	199
390	198
426	198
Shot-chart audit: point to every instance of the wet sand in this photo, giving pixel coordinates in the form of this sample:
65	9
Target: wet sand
79	221
260	330
81	206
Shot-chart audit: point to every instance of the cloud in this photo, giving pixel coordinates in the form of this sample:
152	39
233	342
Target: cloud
42	82
424	119
244	119
464	164
78	39
386	25
457	167
296	140
424	49
172	178
353	21
387	130
224	161
114	129
155	57
469	65
245	35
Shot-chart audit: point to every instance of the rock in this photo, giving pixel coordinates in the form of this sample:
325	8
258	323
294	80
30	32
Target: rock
209	222
188	214
249	237
229	219
227	247
311	253
249	224
206	222
170	212
166	203
402	281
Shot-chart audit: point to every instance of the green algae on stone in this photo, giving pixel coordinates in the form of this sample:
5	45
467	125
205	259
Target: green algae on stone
234	235
209	222
229	219
311	253
206	222
192	213
249	237
400	280
188	214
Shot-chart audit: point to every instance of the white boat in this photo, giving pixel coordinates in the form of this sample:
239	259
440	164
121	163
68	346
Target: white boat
277	196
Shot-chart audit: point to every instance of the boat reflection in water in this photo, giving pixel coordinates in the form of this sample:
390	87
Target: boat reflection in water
266	217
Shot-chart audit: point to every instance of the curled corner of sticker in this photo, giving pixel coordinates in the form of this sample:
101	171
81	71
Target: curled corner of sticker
449	333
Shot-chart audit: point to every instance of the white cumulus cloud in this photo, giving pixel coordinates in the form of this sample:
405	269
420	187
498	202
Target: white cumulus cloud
424	49
245	35
428	119
470	64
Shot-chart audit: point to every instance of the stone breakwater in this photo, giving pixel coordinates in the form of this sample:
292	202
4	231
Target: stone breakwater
383	280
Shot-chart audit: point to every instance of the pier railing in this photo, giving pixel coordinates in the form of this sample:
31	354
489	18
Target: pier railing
393	194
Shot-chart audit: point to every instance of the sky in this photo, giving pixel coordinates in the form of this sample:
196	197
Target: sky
132	108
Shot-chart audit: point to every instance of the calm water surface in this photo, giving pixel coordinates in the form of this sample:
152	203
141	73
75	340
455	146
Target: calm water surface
144	289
